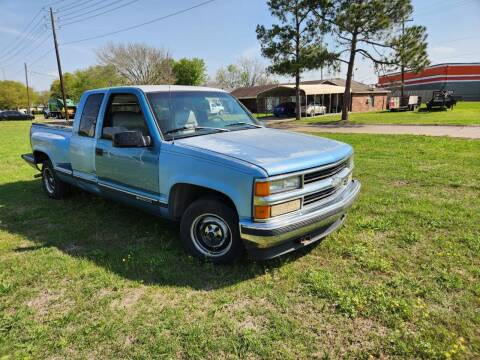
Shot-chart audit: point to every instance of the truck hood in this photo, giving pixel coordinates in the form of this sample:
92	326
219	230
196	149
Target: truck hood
276	151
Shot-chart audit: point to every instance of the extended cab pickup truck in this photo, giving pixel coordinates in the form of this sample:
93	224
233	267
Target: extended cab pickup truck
233	184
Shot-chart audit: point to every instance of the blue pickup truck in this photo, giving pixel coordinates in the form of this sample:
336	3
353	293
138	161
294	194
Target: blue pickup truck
233	184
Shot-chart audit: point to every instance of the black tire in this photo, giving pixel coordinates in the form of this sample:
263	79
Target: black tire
209	231
53	186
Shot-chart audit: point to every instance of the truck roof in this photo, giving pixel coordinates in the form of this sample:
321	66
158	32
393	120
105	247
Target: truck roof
164	88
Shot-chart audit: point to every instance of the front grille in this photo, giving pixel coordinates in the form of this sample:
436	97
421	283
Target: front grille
324	173
319	195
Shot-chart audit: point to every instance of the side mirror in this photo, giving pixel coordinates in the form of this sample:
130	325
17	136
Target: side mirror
131	139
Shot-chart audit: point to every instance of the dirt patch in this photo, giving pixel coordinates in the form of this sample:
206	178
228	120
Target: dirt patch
128	299
49	302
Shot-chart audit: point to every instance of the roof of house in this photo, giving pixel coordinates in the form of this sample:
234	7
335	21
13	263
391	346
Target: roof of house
357	87
251	92
309	89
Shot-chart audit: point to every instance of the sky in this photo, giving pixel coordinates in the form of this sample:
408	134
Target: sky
220	32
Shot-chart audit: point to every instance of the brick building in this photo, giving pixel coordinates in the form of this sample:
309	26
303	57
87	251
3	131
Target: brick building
329	93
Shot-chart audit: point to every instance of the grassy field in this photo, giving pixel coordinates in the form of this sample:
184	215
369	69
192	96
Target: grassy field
87	278
465	113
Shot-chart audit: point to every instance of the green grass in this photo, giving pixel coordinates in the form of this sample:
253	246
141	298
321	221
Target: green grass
87	278
262	115
465	113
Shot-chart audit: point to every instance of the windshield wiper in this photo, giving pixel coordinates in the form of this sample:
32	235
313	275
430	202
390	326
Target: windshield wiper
194	128
244	123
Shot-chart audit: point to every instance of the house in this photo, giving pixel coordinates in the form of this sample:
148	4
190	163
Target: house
462	78
329	93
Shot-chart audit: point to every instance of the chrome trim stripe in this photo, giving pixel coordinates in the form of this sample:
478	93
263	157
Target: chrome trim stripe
137	196
62	170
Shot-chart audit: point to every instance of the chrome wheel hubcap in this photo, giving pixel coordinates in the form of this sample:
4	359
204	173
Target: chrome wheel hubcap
211	235
49	180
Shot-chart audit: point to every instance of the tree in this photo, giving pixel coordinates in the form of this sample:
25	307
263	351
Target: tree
43	97
366	28
410	51
93	77
13	94
244	73
295	44
190	71
138	63
56	91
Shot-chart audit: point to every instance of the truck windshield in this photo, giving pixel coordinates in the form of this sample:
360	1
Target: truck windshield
192	113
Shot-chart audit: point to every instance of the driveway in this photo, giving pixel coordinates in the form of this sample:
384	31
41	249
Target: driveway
466	132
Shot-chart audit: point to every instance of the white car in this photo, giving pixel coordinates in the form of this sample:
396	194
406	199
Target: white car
216	107
312	110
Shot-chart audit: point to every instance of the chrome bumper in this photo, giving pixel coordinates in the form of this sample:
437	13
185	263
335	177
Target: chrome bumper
299	229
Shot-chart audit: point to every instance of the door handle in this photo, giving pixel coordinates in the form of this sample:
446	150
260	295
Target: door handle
99	151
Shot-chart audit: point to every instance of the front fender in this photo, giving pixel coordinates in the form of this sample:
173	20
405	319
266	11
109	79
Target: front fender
234	181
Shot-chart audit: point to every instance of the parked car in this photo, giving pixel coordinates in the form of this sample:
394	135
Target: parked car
15	115
233	184
284	109
312	110
216	106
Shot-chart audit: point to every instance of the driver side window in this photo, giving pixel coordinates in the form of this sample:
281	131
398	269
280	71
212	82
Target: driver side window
123	113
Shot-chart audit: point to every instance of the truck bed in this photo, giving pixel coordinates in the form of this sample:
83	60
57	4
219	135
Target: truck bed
52	139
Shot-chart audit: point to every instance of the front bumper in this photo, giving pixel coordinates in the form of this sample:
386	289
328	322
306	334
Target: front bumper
279	236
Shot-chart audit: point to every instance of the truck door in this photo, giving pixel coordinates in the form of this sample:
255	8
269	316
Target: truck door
82	142
127	171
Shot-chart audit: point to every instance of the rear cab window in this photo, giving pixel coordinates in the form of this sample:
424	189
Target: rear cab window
88	121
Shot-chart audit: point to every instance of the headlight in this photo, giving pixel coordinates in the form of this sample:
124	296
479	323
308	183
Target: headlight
277	186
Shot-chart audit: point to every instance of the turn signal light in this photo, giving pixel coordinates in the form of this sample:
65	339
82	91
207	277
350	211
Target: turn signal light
262	188
262	211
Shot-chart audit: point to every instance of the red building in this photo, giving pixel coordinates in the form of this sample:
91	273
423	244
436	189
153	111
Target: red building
462	78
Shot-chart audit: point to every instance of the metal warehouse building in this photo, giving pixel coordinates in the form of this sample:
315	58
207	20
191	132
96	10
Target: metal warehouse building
462	78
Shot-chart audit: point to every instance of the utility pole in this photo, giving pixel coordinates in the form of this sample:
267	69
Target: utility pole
28	91
60	75
402	67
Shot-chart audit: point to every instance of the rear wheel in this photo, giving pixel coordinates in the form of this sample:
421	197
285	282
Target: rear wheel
209	231
53	186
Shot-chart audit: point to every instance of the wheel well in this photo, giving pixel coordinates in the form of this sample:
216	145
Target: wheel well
182	195
40	157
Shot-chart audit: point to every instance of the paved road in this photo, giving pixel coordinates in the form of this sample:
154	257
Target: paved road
466	132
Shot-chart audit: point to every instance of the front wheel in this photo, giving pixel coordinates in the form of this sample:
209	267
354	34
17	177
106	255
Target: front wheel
53	186
209	231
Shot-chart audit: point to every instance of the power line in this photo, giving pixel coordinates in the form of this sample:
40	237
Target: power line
66	8
21	34
42	74
95	15
36	60
139	25
77	12
39	41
